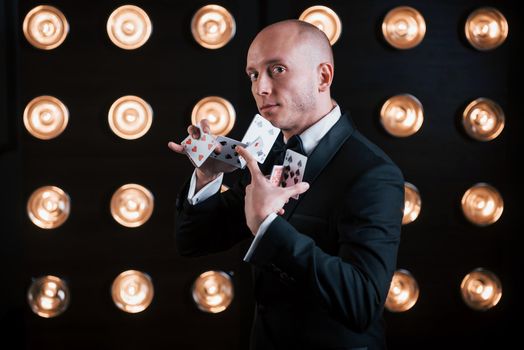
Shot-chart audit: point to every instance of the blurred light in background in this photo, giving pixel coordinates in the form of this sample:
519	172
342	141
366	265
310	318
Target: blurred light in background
402	115
482	204
403	292
45	117
412	203
213	291
45	27
129	27
481	289
48	207
132	205
213	26
403	27
324	19
486	28
130	117
483	119
132	291
48	296
219	113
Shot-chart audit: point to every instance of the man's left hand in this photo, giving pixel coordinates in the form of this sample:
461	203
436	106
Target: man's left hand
262	197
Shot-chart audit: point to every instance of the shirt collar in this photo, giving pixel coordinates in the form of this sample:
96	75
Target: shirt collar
312	135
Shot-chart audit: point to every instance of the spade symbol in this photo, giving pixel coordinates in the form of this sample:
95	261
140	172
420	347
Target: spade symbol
228	156
299	164
223	143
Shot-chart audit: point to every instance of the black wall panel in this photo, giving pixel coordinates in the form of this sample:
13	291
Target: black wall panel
171	72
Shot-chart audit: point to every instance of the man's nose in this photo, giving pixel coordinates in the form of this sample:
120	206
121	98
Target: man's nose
263	85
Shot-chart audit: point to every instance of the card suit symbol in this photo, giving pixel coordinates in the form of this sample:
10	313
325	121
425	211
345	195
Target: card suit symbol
292	174
203	137
238	161
188	141
259	153
200	156
256	144
271	132
194	149
299	164
297	172
233	146
223	143
296	180
283	184
287	168
236	154
209	145
259	123
228	156
290	159
286	175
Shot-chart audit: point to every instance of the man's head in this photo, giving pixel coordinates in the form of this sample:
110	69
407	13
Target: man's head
291	68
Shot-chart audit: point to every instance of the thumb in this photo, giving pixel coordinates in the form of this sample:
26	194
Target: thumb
297	189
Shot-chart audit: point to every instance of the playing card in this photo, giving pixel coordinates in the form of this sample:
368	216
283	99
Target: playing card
294	166
228	153
198	150
256	149
261	127
276	175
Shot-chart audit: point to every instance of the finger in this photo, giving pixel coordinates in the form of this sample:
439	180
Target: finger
193	131
281	211
176	147
297	189
205	126
251	162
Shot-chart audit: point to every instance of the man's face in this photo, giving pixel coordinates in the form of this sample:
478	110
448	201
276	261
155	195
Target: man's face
283	79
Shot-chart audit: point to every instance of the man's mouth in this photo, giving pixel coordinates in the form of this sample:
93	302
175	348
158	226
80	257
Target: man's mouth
268	106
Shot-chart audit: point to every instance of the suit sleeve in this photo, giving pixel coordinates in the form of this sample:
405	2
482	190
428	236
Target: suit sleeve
213	225
353	284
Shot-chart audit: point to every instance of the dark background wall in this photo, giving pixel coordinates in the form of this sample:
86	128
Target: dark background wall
171	72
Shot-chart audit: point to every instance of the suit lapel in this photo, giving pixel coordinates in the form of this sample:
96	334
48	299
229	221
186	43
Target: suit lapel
321	156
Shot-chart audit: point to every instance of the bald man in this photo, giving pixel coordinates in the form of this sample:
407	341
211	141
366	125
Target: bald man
323	263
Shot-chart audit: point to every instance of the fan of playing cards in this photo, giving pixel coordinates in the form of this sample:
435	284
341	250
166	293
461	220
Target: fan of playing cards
258	140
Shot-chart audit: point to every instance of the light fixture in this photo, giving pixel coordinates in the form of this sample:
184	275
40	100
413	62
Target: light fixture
212	291
130	117
132	291
324	19
483	119
218	112
129	27
486	28
45	27
132	205
403	27
412	203
482	204
481	289
403	292
402	115
213	26
48	296
48	207
45	117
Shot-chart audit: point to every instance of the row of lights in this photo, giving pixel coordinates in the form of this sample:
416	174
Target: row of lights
131	205
132	291
130	117
213	26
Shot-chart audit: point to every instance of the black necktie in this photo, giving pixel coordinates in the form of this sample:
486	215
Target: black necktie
294	144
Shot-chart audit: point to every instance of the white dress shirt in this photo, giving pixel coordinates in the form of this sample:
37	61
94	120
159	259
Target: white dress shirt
310	139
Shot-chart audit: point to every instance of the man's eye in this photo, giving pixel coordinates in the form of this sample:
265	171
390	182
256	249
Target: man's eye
278	69
252	76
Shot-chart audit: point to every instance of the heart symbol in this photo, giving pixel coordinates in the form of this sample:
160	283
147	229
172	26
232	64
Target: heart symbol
194	149
203	137
209	146
188	141
200	157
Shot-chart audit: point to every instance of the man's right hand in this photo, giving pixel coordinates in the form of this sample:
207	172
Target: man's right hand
211	168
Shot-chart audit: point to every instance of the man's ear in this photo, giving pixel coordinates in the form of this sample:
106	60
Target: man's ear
325	74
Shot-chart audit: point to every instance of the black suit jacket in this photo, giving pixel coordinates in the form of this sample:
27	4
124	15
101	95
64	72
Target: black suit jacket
323	270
